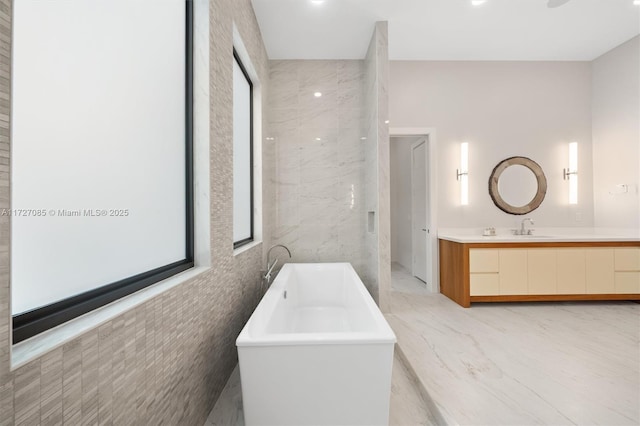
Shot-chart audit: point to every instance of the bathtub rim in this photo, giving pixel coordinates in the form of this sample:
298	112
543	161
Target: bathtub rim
383	336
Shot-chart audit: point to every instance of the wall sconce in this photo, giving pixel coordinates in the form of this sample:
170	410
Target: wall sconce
462	174
571	174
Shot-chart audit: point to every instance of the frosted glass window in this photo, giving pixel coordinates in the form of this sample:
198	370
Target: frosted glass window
242	155
100	172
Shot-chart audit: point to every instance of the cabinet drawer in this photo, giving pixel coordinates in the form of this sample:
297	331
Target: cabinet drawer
483	260
628	282
484	285
627	259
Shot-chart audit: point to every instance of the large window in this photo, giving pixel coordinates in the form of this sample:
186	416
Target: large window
101	173
242	155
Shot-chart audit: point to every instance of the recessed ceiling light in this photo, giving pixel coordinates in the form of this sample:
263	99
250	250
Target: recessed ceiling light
364	138
318	139
386	121
317	94
636	2
318	2
478	2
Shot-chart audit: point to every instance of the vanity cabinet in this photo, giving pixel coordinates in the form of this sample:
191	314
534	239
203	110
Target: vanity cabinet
600	271
627	270
571	271
484	268
501	272
542	271
513	271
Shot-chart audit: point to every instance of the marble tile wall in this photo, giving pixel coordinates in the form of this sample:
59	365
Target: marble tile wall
377	193
167	360
332	161
319	180
384	166
371	166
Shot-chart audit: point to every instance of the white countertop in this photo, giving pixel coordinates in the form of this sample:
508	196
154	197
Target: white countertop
540	235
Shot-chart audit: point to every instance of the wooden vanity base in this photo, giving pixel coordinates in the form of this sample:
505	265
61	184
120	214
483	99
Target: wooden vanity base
622	268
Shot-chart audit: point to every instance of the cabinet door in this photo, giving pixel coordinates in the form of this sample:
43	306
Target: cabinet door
627	259
627	282
571	271
513	271
542	271
599	270
483	260
484	284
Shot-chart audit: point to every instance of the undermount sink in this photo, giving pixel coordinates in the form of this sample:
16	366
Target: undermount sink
524	237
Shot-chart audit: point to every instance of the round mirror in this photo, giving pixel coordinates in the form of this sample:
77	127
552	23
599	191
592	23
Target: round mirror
517	185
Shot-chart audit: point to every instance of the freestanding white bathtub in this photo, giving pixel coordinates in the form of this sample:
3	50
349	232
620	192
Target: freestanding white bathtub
316	351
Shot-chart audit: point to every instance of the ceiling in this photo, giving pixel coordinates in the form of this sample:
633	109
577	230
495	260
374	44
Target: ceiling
516	30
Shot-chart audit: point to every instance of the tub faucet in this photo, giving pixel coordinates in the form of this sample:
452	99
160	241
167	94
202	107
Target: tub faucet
270	266
523	230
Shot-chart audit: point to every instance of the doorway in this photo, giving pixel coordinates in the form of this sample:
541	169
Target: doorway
411	221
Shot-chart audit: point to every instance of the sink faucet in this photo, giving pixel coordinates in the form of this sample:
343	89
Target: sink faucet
270	266
523	231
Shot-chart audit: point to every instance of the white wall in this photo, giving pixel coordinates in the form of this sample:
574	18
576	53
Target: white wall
616	135
503	109
401	246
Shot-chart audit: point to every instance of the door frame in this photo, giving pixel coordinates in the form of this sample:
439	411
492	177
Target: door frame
420	141
429	133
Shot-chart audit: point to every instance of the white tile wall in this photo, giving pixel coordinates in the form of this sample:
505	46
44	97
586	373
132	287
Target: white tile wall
319	159
332	160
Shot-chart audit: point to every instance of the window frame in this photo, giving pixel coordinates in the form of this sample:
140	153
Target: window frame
240	243
36	321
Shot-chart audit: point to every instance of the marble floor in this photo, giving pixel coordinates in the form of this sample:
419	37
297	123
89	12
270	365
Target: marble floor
403	282
522	363
501	364
228	408
407	405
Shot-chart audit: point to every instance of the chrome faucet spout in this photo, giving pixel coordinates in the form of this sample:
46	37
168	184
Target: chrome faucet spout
270	265
523	230
277	245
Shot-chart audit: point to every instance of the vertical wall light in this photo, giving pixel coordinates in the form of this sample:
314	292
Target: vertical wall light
462	174
571	174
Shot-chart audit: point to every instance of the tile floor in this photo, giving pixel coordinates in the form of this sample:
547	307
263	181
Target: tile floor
407	406
228	408
523	363
501	364
403	282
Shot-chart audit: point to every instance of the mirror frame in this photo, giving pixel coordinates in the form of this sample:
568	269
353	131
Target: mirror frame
495	193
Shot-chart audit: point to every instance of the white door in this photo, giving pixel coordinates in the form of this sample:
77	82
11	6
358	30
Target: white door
420	231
